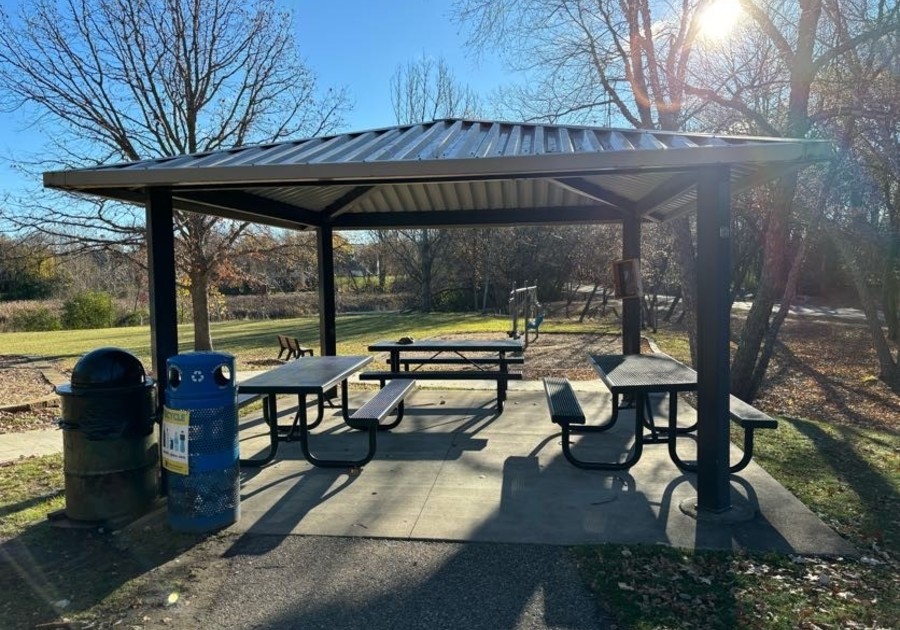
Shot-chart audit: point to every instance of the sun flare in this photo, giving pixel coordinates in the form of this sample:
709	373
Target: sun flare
719	18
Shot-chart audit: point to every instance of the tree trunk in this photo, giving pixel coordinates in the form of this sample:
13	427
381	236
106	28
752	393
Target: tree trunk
671	310
771	283
382	275
426	259
891	285
890	367
787	299
200	306
587	304
687	274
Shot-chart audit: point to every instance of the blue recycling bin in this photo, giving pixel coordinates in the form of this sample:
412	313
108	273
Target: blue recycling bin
199	442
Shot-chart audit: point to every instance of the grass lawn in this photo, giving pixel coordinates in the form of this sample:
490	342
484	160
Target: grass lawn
255	340
845	472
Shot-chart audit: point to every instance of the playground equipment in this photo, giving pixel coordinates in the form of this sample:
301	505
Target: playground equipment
523	303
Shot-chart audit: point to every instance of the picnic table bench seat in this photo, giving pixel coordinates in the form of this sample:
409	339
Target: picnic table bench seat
441	375
368	418
564	406
565	411
746	416
406	363
377	408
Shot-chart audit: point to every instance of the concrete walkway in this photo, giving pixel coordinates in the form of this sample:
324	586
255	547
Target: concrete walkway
455	470
420	537
37	442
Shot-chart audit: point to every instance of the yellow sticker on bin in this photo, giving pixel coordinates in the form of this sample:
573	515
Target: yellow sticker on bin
175	440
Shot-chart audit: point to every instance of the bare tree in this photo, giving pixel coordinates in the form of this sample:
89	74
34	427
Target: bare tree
596	61
112	80
641	60
424	90
780	93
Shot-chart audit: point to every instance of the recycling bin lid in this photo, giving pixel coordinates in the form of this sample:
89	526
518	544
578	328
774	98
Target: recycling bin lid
106	368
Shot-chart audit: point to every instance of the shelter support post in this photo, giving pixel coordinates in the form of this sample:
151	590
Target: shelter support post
161	265
713	337
631	307
327	308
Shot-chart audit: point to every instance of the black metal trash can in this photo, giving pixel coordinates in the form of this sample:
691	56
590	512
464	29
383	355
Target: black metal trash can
110	452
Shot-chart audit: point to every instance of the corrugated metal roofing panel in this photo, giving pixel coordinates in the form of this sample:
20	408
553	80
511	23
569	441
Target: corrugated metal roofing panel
448	140
457	165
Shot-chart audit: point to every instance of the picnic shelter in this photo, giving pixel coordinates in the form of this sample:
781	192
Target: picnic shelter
468	173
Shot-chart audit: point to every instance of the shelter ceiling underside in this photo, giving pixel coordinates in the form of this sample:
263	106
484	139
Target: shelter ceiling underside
593	198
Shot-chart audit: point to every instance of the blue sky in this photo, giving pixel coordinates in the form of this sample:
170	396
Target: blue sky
359	44
353	43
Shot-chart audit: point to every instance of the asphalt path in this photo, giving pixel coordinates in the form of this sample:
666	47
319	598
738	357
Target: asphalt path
350	583
801	308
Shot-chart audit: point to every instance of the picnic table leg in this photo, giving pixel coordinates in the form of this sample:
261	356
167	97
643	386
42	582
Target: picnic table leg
603	426
501	383
301	402
659	432
270	414
673	413
630	461
345	412
394	361
673	442
336	463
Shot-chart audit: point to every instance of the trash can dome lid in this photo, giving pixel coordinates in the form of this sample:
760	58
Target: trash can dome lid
108	367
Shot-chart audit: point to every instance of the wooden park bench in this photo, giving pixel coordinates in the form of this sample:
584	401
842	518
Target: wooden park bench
290	348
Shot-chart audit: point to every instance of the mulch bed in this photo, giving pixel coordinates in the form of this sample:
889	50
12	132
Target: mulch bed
26	397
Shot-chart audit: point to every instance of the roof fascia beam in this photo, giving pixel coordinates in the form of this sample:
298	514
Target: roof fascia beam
428	179
253	206
139	197
475	218
585	188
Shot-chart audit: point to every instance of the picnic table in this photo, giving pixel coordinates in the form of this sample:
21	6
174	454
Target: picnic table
303	377
639	376
481	360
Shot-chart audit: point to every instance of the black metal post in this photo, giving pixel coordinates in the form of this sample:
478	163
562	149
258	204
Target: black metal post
161	265
713	324
327	308
631	307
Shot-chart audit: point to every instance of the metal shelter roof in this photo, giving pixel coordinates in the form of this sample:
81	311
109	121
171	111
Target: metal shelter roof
451	172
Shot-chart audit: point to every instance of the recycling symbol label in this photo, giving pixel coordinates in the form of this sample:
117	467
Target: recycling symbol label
197	376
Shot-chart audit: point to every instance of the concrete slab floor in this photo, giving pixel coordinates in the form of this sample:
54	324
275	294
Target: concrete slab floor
455	470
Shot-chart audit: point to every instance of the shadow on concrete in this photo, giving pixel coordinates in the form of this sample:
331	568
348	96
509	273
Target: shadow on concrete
515	508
